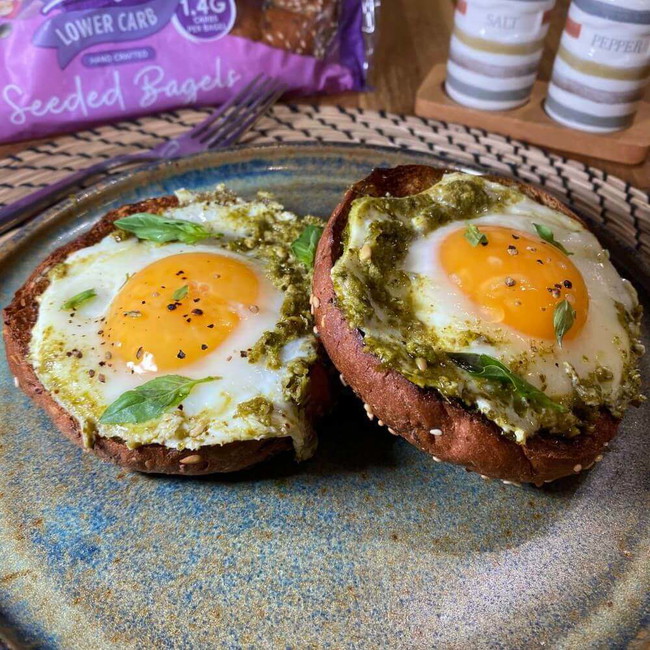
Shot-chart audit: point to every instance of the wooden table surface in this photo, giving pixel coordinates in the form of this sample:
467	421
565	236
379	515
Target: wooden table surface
414	35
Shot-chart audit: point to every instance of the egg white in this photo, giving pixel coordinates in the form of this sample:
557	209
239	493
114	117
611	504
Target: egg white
209	415
439	304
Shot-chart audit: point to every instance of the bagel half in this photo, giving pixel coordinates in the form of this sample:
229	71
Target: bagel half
19	319
468	438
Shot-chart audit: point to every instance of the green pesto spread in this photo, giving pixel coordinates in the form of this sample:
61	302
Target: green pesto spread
259	407
270	237
377	296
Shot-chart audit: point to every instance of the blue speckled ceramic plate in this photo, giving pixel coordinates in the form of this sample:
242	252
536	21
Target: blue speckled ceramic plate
368	545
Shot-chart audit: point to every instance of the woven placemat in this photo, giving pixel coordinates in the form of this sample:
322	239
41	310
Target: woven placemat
614	204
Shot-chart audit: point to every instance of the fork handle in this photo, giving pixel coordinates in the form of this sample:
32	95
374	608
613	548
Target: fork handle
29	206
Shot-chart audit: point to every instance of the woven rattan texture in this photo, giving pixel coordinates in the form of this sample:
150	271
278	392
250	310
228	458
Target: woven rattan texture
622	209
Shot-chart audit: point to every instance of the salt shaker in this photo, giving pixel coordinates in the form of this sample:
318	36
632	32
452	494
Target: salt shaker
495	50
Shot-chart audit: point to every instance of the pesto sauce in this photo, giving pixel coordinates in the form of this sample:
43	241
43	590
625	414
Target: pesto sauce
270	239
259	407
376	296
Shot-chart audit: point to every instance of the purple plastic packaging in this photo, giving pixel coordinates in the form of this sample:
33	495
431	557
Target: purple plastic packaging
67	64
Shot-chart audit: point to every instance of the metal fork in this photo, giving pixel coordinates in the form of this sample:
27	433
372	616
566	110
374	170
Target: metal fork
220	129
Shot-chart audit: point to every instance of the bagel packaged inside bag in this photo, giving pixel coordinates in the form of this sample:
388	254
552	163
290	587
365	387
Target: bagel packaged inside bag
66	64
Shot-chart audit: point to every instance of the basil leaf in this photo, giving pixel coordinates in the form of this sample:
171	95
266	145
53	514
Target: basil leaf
563	318
79	299
150	400
180	293
161	229
483	365
304	248
474	236
547	235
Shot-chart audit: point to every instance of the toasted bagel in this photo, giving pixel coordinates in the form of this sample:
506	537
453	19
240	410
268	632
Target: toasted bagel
444	429
19	319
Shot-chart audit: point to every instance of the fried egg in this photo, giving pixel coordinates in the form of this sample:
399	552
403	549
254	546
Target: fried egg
496	294
194	310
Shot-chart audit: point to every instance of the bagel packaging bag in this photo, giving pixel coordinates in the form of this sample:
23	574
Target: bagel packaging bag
67	64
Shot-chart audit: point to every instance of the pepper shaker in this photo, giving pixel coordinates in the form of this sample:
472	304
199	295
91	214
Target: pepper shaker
602	65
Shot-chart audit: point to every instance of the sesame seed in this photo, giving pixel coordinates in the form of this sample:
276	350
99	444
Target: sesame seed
343	380
380	423
16	383
598	458
138	354
315	330
577	468
365	252
435	432
421	363
190	460
485	478
316	302
392	431
436	459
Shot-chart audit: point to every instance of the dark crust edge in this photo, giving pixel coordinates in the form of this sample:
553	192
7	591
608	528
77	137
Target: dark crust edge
19	318
468	438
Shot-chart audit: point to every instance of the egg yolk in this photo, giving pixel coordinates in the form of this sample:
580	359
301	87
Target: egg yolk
516	279
179	309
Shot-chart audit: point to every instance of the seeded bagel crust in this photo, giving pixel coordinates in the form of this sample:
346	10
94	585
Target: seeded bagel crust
19	319
445	429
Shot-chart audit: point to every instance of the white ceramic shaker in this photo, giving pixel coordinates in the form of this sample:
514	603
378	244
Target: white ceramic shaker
602	65
495	51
